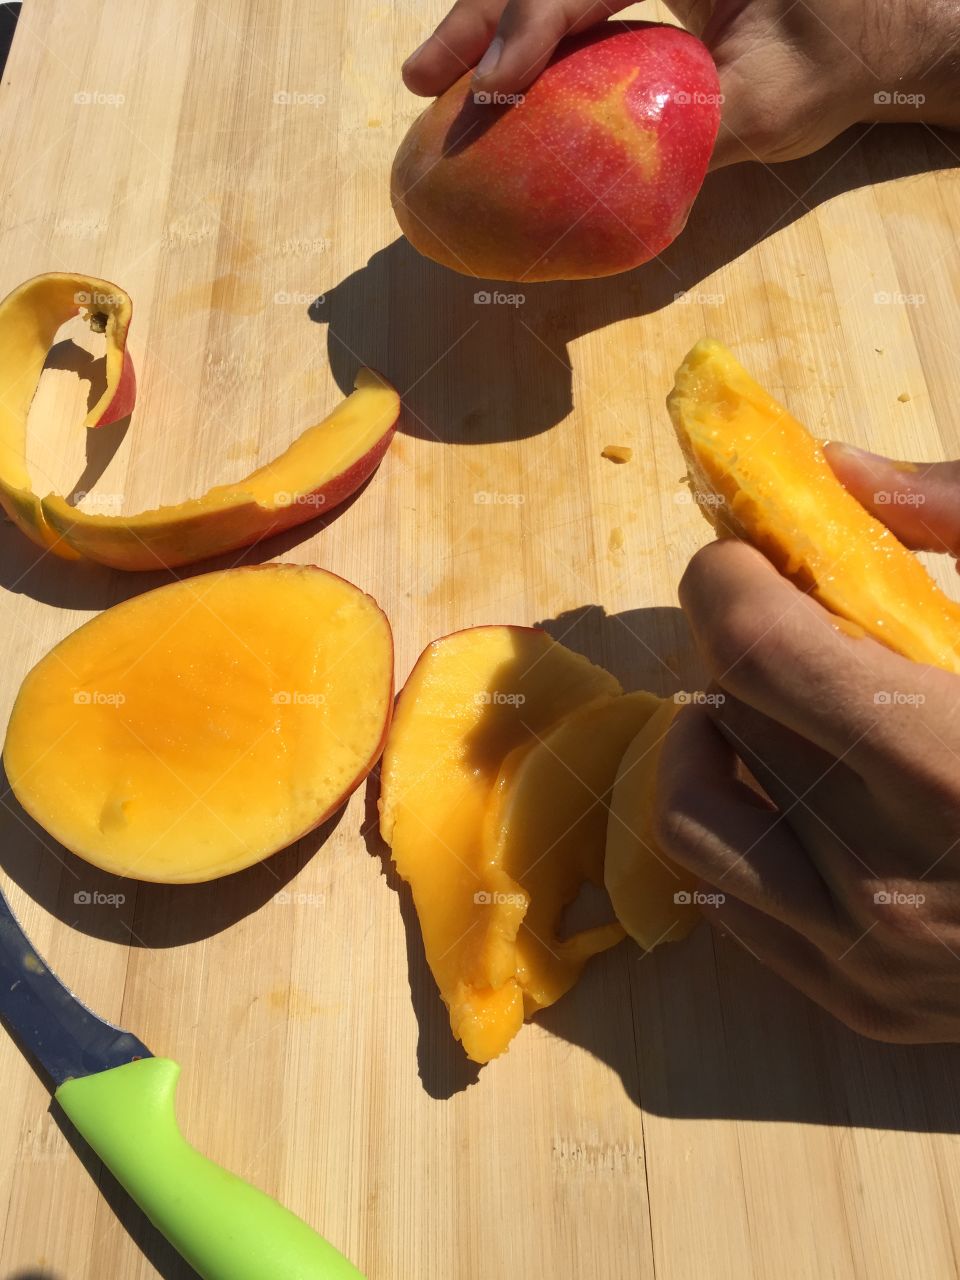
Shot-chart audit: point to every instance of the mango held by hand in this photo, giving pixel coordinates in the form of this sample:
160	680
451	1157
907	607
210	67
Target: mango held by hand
759	475
593	170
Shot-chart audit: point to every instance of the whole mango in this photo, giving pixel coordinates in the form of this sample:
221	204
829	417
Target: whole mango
591	172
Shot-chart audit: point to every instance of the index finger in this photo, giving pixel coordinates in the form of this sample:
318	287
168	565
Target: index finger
455	46
775	648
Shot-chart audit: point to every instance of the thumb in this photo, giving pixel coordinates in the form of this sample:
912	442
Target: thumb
917	501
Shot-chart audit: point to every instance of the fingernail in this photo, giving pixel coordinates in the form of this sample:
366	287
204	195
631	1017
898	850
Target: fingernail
416	53
852	451
490	59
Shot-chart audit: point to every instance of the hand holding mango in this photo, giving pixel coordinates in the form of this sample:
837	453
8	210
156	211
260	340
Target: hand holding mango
793	77
848	883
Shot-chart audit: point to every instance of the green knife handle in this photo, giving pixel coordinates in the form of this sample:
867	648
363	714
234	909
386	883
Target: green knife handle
225	1228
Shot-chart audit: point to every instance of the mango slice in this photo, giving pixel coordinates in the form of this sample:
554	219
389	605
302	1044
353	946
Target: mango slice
546	829
471	699
760	476
651	895
195	729
321	469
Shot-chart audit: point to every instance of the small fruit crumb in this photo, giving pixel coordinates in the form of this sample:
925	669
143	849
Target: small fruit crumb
903	397
374	123
617	453
616	539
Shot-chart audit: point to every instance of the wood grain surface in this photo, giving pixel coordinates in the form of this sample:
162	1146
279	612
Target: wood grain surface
683	1115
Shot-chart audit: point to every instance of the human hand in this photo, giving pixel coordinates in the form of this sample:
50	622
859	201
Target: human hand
793	76
846	881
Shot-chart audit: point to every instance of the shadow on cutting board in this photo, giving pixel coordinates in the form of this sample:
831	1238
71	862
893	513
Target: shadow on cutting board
26	569
698	1029
472	373
35	1275
134	912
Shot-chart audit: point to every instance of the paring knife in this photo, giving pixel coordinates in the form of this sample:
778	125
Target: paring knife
120	1099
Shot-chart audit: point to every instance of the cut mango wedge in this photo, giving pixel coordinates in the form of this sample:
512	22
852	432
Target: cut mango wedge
322	468
546	831
472	699
651	895
759	475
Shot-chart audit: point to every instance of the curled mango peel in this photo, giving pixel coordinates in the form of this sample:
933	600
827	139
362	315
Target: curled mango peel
322	468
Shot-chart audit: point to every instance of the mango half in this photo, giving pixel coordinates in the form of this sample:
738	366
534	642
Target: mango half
196	729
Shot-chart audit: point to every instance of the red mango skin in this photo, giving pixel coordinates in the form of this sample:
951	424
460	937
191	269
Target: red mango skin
592	173
144	543
124	398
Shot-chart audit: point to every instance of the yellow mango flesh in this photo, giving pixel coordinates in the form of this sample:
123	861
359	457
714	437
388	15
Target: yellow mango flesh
759	475
200	727
472	698
546	831
642	882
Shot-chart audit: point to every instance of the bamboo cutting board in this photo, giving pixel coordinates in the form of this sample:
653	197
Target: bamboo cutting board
679	1116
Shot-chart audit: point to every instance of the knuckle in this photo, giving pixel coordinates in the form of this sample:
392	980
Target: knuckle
877	1019
674	830
740	642
775	117
893	909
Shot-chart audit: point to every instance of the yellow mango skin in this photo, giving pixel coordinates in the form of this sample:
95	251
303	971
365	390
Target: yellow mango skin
325	465
546	830
760	476
641	881
320	469
458	717
29	319
195	729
